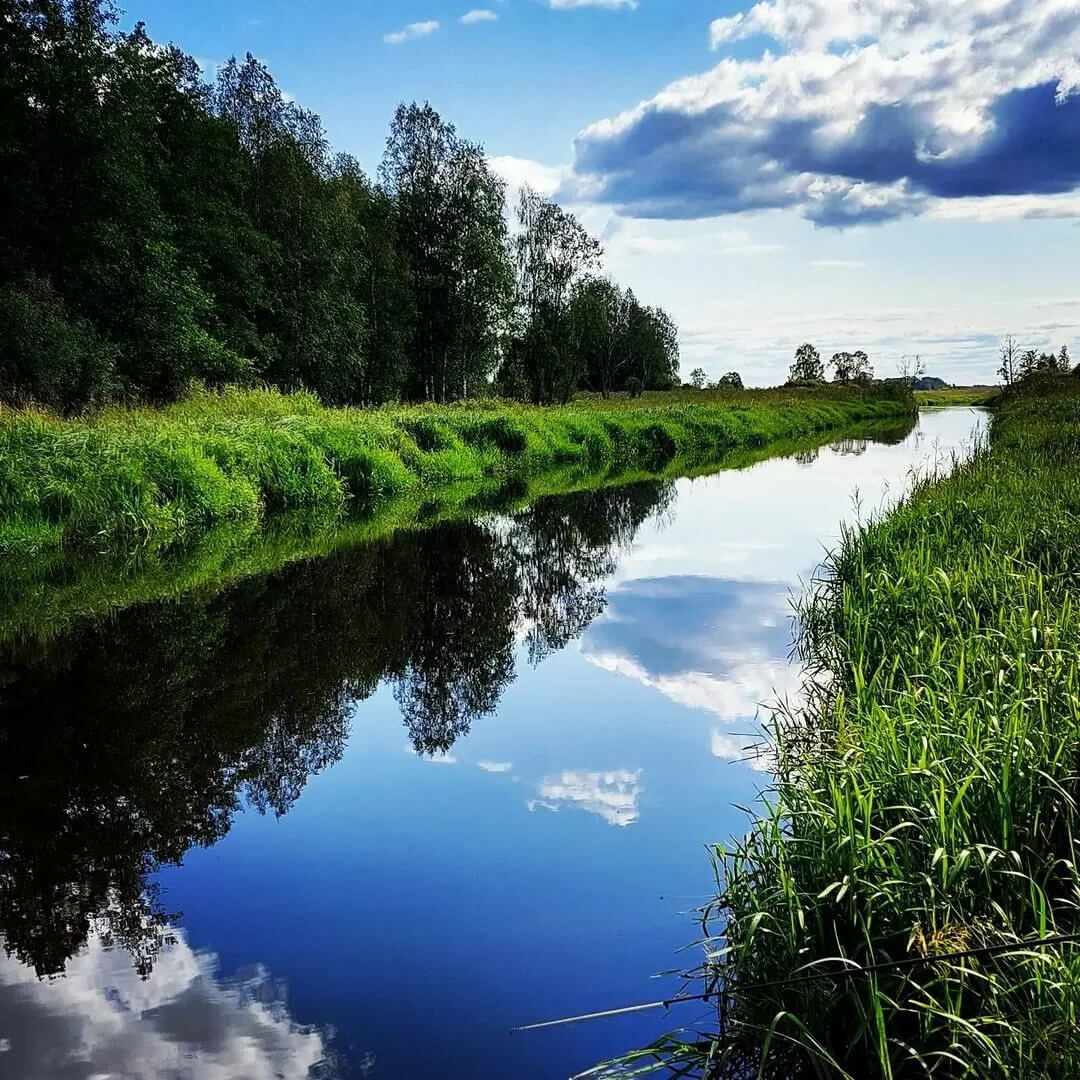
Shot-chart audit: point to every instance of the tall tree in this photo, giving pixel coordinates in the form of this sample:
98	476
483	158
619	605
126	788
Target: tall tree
551	253
1009	354
157	230
600	322
807	366
852	367
911	368
451	231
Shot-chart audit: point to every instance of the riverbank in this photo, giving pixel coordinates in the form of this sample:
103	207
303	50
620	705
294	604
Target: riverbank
138	478
46	594
925	796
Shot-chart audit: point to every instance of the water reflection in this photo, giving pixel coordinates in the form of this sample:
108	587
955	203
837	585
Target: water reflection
421	860
711	643
102	1020
133	739
612	795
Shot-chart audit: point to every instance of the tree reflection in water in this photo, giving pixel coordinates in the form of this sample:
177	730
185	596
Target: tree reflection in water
134	738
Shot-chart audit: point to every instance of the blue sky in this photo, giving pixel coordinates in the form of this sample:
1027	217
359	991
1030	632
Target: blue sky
894	175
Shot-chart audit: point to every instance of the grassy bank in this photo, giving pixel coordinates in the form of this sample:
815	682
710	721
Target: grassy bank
925	799
957	395
125	478
44	595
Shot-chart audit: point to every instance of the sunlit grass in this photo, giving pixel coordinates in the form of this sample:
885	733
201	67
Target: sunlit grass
128	477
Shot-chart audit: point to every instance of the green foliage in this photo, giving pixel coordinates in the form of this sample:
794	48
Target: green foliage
925	795
852	367
621	345
731	381
155	476
552	252
807	366
158	230
451	231
958	395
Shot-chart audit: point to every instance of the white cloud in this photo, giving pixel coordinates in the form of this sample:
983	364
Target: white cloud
495	766
741	749
564	4
517	172
749	683
411	32
185	1021
477	15
730	243
611	795
871	110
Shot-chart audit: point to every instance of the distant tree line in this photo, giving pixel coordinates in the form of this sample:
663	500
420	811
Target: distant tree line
730	381
1018	363
847	367
157	229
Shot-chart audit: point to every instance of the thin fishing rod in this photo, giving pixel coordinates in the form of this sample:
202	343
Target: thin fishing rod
888	965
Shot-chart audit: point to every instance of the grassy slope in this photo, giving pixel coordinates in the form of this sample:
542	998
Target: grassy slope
145	477
926	798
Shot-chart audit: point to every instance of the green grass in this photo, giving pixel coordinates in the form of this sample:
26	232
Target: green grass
44	595
957	395
129	478
925	795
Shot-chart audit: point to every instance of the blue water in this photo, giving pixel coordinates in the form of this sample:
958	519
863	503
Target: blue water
407	909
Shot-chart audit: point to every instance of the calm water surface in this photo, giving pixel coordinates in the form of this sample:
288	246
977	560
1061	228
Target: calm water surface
362	816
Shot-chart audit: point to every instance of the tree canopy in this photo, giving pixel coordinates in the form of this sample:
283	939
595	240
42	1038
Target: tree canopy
158	229
807	366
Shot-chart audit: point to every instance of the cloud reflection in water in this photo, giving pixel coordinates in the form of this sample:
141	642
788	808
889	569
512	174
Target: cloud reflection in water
185	1022
611	795
708	643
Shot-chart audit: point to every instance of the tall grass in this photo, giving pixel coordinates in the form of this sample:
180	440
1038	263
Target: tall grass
127	477
925	797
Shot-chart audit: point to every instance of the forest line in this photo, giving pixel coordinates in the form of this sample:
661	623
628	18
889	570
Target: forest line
162	231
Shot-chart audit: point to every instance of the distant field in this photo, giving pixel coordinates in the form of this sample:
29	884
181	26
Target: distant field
958	395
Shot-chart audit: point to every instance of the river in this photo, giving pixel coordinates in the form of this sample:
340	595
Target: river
362	816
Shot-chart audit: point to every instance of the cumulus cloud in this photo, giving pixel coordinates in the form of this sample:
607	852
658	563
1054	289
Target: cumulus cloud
478	15
518	171
185	1021
611	795
859	111
411	32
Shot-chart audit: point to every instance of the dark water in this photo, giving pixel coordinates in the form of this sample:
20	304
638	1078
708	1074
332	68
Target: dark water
363	815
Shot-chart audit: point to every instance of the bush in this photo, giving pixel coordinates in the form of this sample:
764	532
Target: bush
47	356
